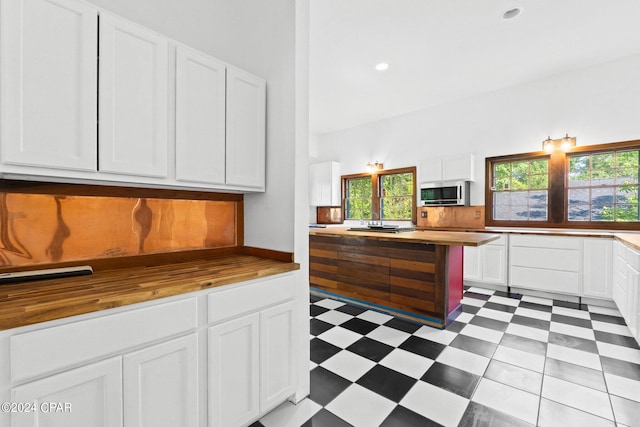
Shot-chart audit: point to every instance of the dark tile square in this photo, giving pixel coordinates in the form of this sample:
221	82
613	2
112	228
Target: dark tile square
508	295
500	307
471	309
478	415
622	368
569	304
456	327
324	418
322	350
423	347
583	323
386	382
316	310
455	380
325	385
474	345
486	322
525	344
576	374
318	326
531	322
534	306
475	295
616	339
403	325
257	424
403	417
573	342
370	349
351	309
608	319
314	298
359	325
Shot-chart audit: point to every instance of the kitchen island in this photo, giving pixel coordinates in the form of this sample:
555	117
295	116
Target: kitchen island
414	274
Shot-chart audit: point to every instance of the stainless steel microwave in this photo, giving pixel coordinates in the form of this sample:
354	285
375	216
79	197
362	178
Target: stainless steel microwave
447	193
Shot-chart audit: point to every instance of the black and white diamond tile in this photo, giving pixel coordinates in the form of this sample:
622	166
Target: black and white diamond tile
507	360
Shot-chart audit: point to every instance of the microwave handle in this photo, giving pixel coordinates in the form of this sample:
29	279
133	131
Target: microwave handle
459	192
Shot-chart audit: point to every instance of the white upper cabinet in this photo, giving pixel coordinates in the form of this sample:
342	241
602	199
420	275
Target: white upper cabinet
246	115
48	84
324	184
459	167
200	117
133	99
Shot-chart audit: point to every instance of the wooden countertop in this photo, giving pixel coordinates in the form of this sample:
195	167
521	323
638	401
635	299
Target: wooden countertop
451	238
27	303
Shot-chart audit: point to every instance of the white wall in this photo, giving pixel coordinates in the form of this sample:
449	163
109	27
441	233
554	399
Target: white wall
596	105
257	36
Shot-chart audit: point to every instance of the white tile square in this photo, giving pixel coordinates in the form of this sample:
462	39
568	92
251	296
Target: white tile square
577	396
361	407
505	301
486	334
574	331
534	314
495	314
609	311
528	332
554	414
464	360
514	376
437	335
611	328
509	400
619	352
387	335
524	359
329	303
374	317
290	415
577	357
464	317
537	300
626	411
571	312
348	365
623	387
435	403
483	291
334	317
312	365
340	336
473	301
407	363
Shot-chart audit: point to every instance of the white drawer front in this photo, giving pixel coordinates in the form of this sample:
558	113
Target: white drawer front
502	241
38	352
247	298
564	282
556	242
549	259
633	258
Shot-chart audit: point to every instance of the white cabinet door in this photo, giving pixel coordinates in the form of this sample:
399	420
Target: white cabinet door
458	167
200	117
621	280
598	267
234	372
246	108
277	364
161	385
324	184
133	99
494	264
90	396
431	170
472	263
48	82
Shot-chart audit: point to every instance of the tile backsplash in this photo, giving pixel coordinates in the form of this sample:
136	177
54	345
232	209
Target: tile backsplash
42	229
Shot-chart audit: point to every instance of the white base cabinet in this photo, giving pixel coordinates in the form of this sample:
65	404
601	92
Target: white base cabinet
487	264
626	284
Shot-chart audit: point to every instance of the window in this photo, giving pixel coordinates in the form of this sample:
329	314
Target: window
389	195
521	190
588	187
603	186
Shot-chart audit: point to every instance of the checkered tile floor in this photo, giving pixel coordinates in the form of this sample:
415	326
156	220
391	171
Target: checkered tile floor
508	360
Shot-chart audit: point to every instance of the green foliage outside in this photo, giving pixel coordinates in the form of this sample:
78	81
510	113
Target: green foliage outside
521	190
358	198
397	196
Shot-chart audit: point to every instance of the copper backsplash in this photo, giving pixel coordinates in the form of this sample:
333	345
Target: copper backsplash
42	229
452	217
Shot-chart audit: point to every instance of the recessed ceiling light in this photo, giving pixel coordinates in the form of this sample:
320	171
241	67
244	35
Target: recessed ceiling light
512	13
382	66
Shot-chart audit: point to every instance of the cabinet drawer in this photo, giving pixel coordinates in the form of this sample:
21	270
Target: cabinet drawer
250	297
545	258
632	258
555	242
502	241
565	282
38	352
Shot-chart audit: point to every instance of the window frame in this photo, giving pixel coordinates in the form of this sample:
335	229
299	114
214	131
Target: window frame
375	191
558	197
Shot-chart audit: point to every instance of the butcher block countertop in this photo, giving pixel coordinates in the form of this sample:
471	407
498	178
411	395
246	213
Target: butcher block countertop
27	303
450	238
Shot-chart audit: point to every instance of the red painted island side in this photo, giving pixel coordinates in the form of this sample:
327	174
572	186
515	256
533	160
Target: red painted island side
455	264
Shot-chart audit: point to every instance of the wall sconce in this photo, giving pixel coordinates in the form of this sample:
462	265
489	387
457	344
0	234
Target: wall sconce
375	166
563	144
